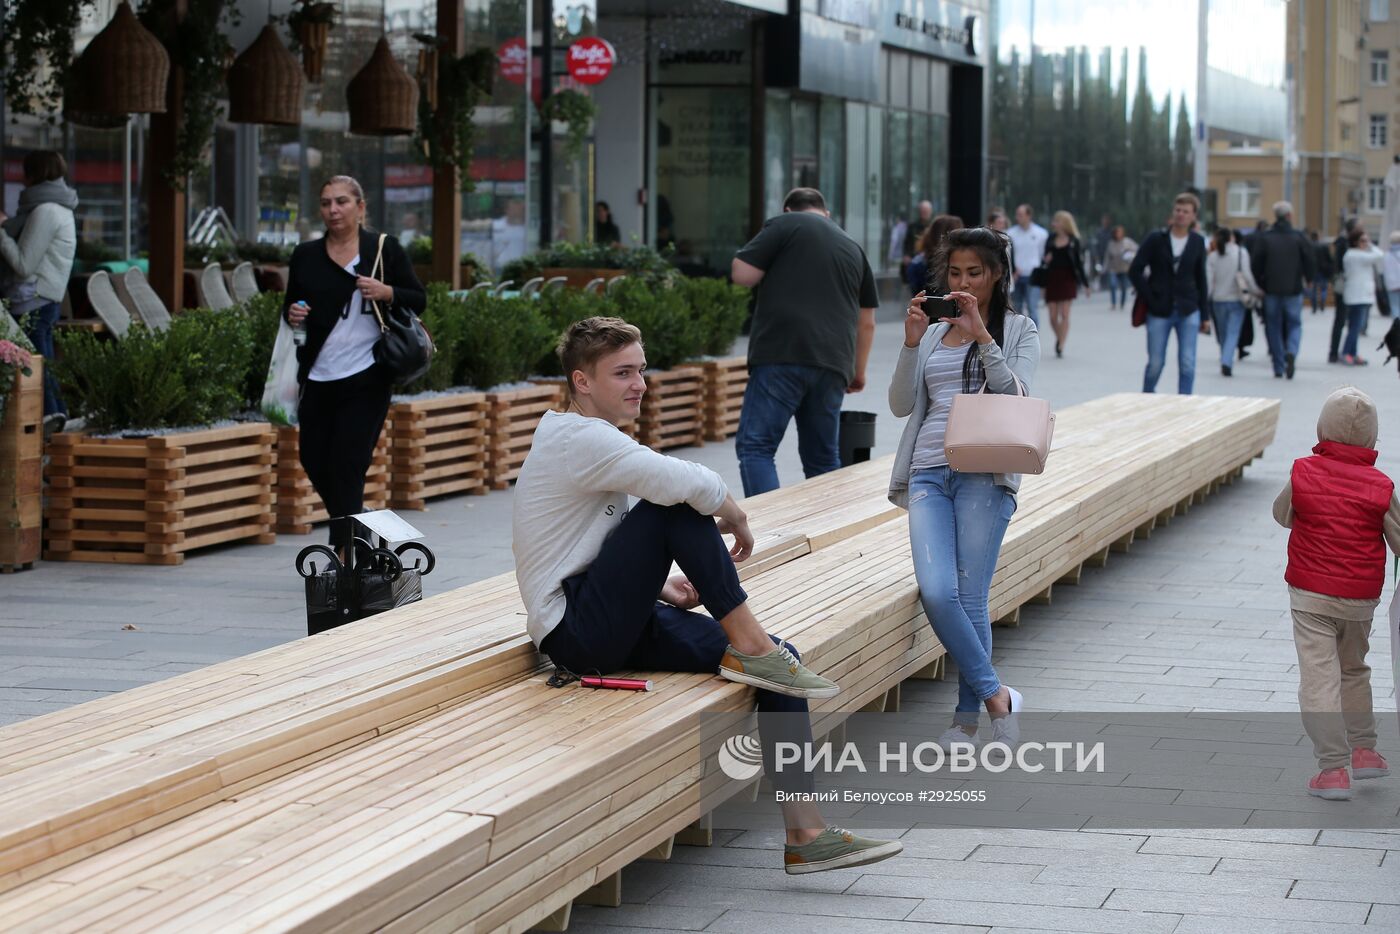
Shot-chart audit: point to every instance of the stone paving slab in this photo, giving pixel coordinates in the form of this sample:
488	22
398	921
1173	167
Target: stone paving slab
1195	618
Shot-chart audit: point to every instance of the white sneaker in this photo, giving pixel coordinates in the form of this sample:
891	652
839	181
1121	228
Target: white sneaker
1007	729
956	736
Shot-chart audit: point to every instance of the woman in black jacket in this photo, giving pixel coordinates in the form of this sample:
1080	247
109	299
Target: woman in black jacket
345	394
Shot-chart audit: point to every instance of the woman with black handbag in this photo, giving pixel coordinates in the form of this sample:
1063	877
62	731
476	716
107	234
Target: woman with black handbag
343	292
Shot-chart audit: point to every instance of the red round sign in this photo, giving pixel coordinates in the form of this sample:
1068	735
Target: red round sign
514	59
590	60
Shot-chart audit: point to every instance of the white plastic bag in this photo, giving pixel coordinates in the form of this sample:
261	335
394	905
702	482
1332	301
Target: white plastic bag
281	394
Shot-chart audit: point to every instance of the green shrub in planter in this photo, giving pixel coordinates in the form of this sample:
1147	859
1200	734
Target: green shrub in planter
193	373
502	340
444	318
671	334
718	308
264	314
561	308
641	262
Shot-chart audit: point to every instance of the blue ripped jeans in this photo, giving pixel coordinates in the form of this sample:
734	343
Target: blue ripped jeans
956	524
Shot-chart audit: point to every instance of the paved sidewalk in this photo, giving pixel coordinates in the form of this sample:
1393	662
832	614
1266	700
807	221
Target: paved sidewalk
1196	618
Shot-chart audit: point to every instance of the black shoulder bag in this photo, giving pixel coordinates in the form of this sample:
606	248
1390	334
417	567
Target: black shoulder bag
404	348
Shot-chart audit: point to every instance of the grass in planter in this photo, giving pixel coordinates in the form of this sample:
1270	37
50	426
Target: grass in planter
193	373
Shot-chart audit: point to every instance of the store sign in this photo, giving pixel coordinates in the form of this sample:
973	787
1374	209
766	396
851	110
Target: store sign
590	60
935	28
514	59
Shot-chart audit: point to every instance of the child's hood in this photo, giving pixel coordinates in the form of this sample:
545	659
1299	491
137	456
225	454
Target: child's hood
1348	417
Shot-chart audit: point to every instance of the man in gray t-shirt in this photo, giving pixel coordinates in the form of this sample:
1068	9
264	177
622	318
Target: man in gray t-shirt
813	327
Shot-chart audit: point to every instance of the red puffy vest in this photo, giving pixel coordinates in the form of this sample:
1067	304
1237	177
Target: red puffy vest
1340	499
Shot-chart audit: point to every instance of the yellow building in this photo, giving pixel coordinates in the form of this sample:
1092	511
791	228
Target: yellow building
1380	106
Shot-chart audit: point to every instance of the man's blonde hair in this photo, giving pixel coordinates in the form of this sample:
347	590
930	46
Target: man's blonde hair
584	342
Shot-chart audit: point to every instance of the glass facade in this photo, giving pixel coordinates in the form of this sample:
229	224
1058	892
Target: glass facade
1095	119
266	178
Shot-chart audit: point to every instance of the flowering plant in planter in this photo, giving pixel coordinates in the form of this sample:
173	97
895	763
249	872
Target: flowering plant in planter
16	358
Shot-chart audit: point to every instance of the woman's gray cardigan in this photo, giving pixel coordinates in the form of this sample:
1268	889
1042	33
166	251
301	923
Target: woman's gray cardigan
909	392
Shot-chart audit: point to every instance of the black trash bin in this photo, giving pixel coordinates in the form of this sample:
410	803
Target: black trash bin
857	437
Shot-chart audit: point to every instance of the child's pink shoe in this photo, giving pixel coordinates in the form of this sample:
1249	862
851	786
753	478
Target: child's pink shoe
1367	763
1331	785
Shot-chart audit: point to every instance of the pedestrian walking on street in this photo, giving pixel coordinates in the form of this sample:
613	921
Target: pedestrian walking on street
1392	271
1027	250
345	393
1283	260
997	220
1322	277
1231	284
957	520
1118	257
813	326
1343	512
918	275
1099	258
1064	275
37	247
1169	273
1362	263
915	232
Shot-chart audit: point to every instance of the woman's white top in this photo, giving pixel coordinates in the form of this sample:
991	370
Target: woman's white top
350	347
1360	267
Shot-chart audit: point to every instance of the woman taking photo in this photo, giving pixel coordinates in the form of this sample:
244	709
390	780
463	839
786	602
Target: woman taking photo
957	520
1118	258
345	394
1064	274
36	257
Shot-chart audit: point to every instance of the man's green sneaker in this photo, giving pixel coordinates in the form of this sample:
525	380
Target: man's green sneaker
835	848
778	671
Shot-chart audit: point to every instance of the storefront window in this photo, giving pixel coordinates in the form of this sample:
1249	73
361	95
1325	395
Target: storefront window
832	161
804	143
702	175
777	152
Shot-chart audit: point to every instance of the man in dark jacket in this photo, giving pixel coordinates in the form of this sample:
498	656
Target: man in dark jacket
1169	272
1283	261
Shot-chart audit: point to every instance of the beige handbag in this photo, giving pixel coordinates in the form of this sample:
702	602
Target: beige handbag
995	433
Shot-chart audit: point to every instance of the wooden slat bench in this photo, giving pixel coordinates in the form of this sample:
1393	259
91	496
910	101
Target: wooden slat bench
412	772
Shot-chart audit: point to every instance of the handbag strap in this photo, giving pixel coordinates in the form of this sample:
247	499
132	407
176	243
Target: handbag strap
377	272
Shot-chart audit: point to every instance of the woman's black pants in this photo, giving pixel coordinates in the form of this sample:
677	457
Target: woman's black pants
340	424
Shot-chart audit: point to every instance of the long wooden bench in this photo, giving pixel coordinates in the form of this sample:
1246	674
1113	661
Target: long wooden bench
412	772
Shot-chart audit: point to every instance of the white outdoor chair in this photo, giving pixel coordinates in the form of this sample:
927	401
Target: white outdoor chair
504	286
245	283
213	292
107	304
532	286
144	301
595	286
613	283
558	282
480	287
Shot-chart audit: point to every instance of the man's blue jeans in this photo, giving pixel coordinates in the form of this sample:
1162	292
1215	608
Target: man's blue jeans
1229	318
956	524
1159	331
1024	296
1283	324
38	327
778	392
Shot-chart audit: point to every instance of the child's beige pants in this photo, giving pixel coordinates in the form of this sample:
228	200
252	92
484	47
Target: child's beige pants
1334	685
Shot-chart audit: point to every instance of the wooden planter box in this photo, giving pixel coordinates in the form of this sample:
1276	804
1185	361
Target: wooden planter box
299	507
152	500
578	277
725	382
513	416
21	459
673	409
627	428
438	446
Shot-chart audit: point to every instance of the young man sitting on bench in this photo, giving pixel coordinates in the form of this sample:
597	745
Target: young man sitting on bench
593	575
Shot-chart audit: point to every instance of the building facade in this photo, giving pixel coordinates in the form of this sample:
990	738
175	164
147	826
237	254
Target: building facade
1380	109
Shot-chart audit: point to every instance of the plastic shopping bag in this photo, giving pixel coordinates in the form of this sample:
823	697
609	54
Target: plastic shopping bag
281	392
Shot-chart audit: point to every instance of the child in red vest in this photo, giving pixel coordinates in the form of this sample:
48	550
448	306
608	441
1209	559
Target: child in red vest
1343	513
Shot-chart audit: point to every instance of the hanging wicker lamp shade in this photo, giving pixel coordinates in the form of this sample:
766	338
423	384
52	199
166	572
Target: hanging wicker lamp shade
124	70
265	83
382	98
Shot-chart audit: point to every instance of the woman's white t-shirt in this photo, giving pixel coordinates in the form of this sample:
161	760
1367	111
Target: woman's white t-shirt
350	347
